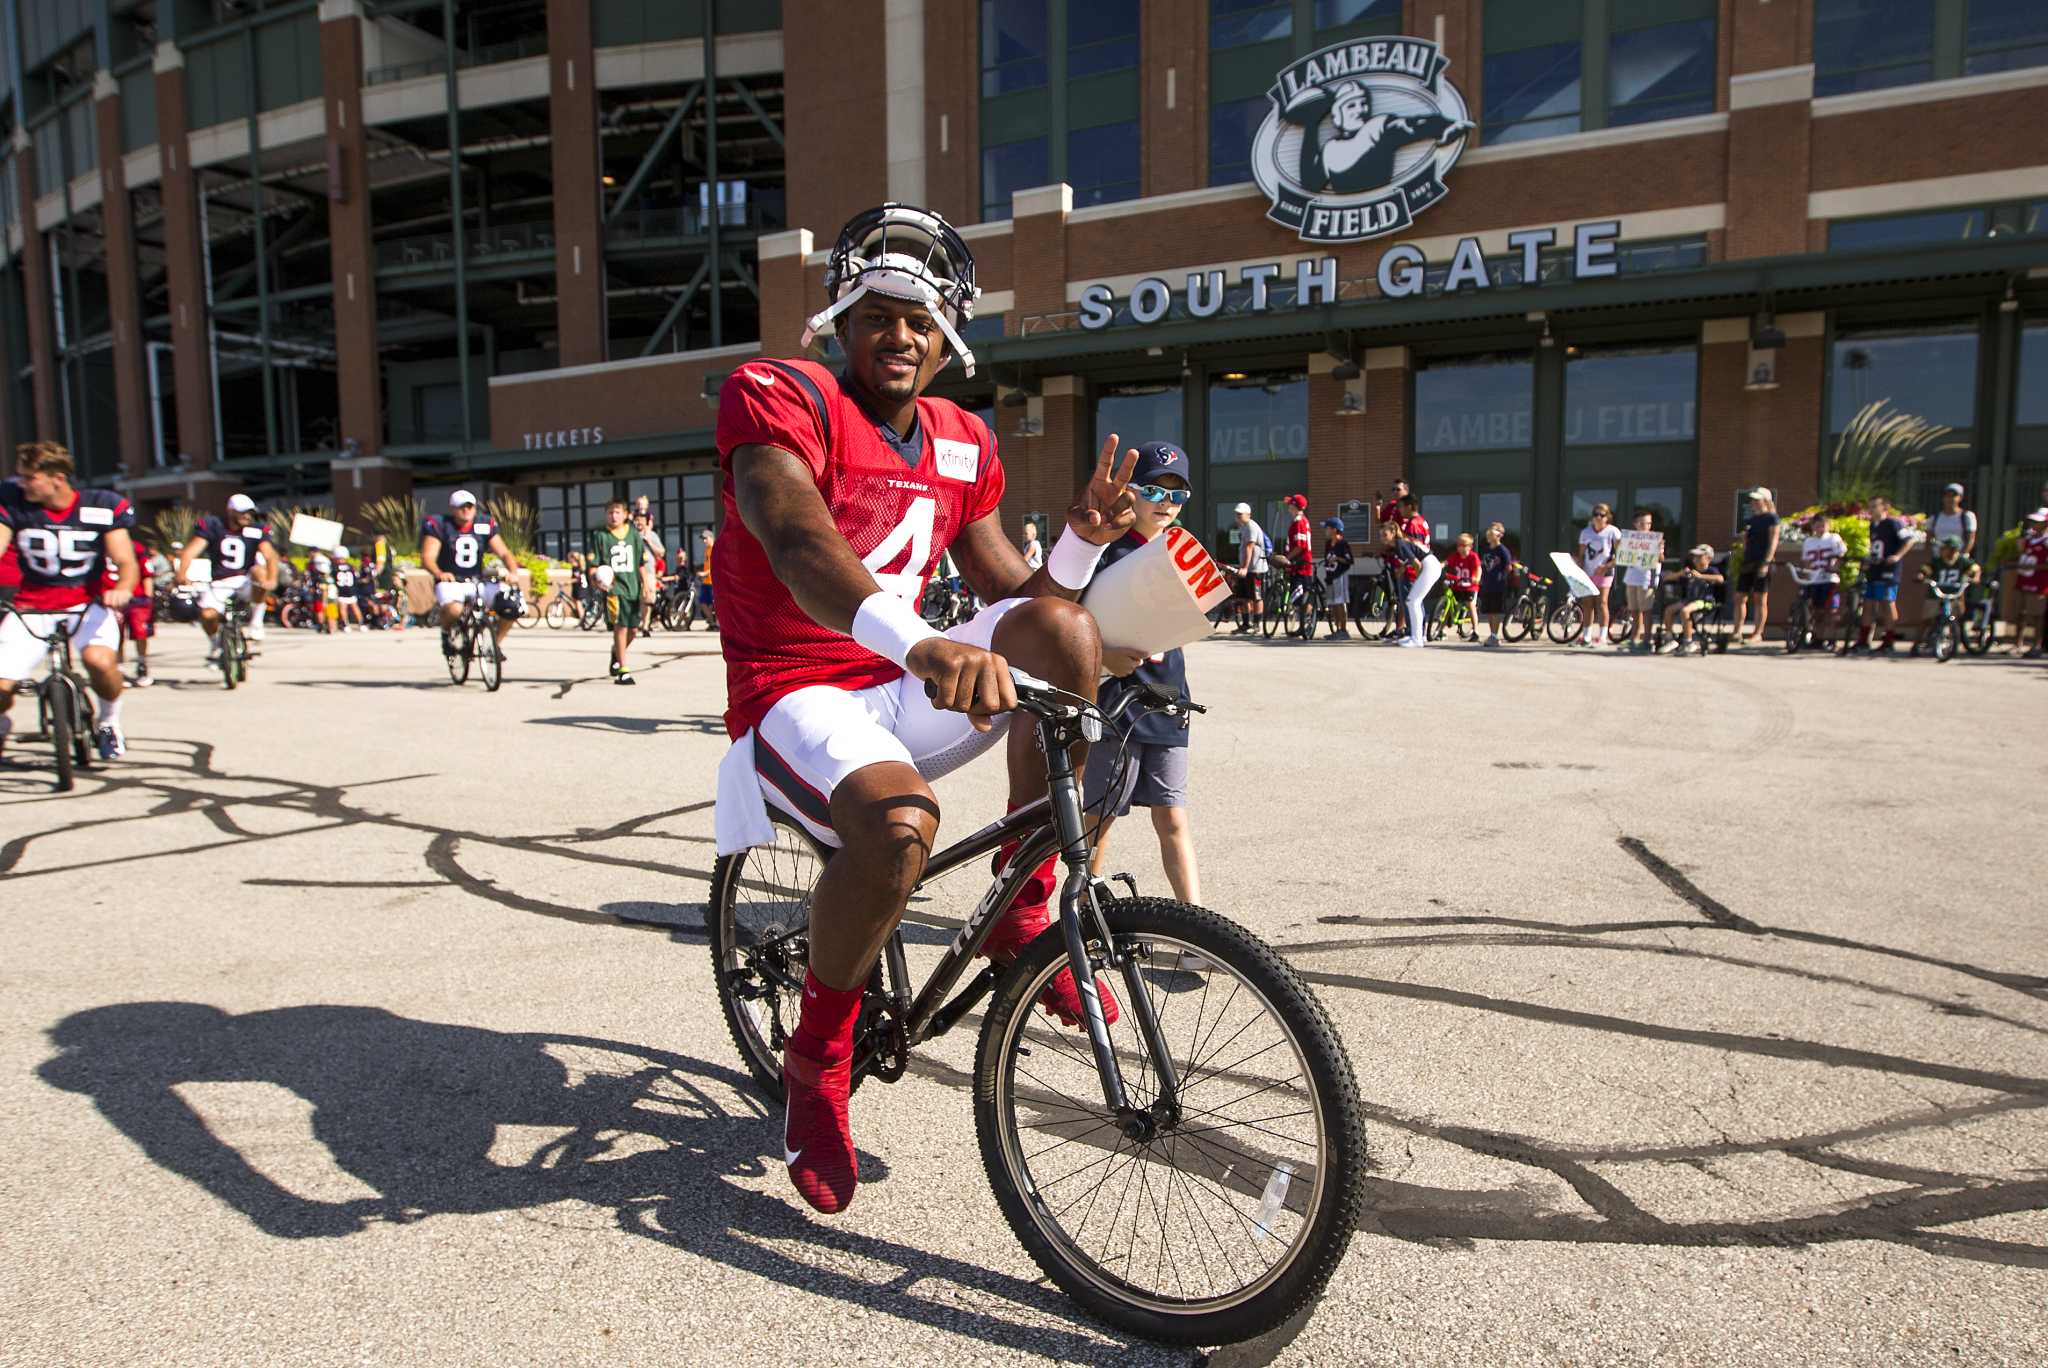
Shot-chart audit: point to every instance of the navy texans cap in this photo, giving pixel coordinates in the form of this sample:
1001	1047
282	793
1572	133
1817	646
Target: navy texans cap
1161	458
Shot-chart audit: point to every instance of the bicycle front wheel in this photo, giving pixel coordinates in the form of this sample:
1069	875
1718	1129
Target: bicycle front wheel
1521	620
1564	623
1982	630
57	726
1275	609
557	615
490	665
230	653
1227	1212
1304	616
82	749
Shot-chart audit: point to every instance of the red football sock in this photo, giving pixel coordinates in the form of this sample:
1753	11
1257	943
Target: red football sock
825	1031
1029	914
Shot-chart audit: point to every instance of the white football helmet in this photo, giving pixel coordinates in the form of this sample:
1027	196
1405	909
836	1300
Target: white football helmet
905	253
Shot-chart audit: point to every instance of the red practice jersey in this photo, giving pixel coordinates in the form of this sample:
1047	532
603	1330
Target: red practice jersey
1462	572
1301	545
899	506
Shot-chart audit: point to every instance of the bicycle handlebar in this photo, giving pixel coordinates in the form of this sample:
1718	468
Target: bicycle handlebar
1041	699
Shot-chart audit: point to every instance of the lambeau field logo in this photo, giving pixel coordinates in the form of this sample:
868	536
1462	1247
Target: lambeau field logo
1359	139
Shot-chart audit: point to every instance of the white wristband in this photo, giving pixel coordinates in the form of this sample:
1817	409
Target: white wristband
1073	560
889	627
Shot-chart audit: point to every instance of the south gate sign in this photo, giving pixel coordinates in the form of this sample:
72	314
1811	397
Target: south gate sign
1359	139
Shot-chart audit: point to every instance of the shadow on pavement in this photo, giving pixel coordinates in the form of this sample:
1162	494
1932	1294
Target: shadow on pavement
413	1110
638	726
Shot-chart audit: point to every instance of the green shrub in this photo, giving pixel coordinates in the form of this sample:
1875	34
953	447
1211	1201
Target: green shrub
2005	550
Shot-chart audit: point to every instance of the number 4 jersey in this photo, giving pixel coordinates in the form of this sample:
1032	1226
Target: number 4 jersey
899	505
62	555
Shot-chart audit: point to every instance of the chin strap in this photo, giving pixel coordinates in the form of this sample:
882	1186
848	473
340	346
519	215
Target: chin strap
825	323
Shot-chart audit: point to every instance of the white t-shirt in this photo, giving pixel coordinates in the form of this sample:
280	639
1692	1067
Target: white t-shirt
1034	554
1822	557
1603	545
1958	524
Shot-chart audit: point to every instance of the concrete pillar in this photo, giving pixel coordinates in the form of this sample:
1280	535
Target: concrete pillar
1174	123
352	255
786	296
1038	252
35	281
836	56
184	269
1758	437
360	481
952	134
1770	157
135	434
582	322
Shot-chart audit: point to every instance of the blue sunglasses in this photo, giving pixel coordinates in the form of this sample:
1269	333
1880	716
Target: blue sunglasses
1161	494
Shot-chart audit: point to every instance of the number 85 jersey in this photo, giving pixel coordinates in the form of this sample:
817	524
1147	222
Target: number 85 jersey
62	555
899	504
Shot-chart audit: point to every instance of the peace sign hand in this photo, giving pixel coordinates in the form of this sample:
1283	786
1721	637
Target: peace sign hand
1106	509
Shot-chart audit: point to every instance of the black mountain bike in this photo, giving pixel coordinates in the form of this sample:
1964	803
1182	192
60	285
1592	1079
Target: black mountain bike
63	707
1526	614
1191	1173
472	641
1980	626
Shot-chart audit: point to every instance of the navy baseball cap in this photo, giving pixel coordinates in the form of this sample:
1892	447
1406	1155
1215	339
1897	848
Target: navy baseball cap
1337	523
1161	458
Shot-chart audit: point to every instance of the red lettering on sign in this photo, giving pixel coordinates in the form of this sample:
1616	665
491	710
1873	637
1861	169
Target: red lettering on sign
1199	571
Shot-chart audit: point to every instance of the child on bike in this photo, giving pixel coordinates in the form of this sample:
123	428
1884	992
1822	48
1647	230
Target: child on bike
1337	563
1820	560
1950	571
1698	584
2031	585
1639	584
1462	569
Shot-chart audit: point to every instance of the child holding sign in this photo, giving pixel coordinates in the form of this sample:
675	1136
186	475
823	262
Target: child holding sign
1642	558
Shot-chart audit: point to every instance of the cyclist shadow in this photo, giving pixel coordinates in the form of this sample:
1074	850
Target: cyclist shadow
420	1112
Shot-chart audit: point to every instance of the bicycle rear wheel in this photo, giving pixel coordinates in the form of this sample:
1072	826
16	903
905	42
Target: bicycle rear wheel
1274	609
1982	629
1468	626
557	614
82	741
1798	627
1303	616
56	707
759	922
490	665
1231	1215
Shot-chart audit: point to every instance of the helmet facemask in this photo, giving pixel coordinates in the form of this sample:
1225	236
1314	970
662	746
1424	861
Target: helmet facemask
904	253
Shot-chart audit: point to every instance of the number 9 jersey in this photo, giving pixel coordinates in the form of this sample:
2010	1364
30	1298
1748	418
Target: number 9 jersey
899	504
62	555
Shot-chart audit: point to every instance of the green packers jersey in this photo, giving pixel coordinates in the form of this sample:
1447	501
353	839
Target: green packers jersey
624	555
1951	575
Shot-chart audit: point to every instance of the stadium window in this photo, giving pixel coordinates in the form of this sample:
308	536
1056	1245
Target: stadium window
1568	67
1873	44
1102	36
1240	23
1007	168
1014	46
1102	163
1251	39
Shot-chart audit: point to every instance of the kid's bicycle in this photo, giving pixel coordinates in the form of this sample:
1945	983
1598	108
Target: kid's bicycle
1942	637
1453	614
1222	1082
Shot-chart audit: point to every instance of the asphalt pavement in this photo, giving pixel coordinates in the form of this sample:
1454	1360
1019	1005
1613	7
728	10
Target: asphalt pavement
1701	1009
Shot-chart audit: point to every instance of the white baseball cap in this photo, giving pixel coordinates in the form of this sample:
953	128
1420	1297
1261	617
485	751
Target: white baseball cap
1952	489
461	497
1760	492
241	503
342	552
2038	515
1242	508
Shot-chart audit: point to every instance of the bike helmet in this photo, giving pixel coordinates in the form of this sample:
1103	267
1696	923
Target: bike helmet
906	253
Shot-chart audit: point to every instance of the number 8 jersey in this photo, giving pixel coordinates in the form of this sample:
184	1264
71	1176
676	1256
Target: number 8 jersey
899	504
62	555
463	549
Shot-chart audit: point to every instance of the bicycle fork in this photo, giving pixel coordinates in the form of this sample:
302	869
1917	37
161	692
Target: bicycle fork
1078	902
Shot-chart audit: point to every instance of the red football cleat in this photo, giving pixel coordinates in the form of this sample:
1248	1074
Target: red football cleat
817	1141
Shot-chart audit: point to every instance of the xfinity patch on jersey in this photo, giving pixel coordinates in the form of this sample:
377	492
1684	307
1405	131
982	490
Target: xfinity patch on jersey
957	460
482	529
101	517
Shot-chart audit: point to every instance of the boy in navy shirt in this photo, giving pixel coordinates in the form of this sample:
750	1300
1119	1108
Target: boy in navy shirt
1155	762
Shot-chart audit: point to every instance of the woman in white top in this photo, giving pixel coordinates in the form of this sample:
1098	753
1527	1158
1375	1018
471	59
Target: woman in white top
1598	541
1954	520
1034	553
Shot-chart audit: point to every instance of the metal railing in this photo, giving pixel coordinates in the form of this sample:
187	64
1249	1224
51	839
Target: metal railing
482	245
491	54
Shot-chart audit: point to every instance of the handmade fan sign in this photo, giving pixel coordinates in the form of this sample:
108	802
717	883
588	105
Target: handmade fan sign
1574	576
322	534
1159	596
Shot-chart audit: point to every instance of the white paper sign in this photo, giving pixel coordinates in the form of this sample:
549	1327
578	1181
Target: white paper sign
1159	596
1574	576
1640	549
322	534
